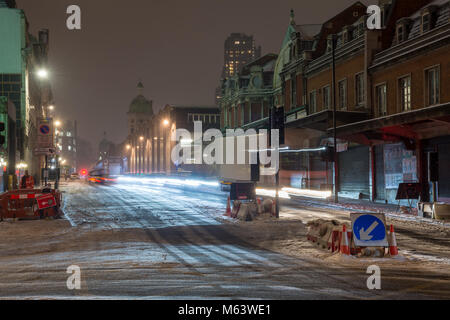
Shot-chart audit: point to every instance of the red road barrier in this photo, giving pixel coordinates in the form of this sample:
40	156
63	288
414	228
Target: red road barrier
30	203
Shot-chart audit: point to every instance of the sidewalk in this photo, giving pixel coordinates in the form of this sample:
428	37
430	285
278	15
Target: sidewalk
352	205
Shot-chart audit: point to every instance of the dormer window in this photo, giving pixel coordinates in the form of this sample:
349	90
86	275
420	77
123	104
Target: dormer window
402	30
426	22
400	33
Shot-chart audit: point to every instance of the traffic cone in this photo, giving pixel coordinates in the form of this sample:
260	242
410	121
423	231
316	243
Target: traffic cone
393	250
228	212
345	249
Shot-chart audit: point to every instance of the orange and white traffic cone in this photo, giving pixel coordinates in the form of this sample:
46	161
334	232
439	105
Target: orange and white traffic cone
274	207
345	249
393	250
228	212
258	205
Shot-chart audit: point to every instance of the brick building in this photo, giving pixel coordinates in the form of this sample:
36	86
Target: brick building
391	91
247	96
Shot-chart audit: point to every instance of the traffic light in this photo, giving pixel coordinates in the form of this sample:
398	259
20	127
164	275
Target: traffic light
2	137
277	122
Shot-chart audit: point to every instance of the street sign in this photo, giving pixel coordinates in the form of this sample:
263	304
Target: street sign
369	230
46	201
44	129
45	134
44	151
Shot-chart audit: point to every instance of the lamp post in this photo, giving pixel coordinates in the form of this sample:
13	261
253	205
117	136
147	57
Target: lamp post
333	54
165	124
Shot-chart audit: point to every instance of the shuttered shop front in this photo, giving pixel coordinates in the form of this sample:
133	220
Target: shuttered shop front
354	170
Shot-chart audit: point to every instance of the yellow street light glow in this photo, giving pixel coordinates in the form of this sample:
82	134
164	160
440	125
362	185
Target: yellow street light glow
141	138
57	123
166	122
51	107
128	147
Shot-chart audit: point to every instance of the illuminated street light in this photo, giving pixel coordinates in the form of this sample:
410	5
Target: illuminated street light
42	73
51	108
57	123
128	147
166	122
141	138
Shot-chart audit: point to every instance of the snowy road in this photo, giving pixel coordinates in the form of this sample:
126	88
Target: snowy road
162	242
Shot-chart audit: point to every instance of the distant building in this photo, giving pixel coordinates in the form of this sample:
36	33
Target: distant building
240	49
66	142
140	117
173	117
148	147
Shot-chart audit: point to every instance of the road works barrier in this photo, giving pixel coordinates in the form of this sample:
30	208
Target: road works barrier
334	236
30	204
250	209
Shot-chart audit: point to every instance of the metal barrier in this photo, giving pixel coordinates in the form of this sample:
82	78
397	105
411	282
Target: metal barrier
30	204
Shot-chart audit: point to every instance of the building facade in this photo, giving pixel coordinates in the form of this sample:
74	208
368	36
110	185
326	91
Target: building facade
21	55
66	143
390	90
149	145
239	49
247	97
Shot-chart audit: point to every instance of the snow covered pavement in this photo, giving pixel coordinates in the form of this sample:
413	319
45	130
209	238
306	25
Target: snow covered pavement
160	242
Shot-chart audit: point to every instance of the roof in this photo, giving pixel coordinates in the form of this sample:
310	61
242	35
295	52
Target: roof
141	105
267	62
192	106
308	31
442	17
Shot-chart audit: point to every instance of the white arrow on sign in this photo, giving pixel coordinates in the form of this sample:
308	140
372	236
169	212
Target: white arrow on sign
364	234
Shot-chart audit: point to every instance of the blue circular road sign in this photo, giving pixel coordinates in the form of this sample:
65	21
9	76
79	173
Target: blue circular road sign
45	129
369	228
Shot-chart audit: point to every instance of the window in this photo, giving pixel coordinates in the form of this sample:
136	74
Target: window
342	86
426	22
359	89
293	91
190	118
326	97
400	33
312	102
381	93
405	93
433	84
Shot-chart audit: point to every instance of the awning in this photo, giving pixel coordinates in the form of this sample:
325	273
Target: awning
407	126
323	120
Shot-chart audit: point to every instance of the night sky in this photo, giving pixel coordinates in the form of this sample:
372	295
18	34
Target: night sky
174	47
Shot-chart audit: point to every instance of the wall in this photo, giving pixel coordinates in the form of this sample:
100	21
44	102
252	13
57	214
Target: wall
415	67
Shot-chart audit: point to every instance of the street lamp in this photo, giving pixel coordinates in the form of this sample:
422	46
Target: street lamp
166	122
141	138
51	108
128	147
42	73
57	123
